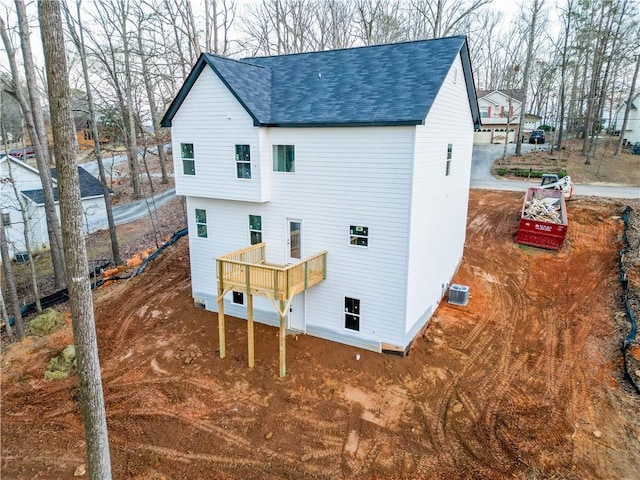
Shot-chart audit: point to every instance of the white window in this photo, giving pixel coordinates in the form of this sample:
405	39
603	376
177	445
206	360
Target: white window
238	298
352	314
359	236
255	229
243	161
201	222
449	155
188	159
284	158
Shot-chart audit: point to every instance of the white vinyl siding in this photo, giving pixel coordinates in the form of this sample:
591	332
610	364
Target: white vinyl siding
326	196
212	119
438	234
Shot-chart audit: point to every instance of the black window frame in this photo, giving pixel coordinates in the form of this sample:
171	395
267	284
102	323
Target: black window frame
6	219
243	161
237	296
188	159
255	231
449	157
201	223
352	313
284	158
359	238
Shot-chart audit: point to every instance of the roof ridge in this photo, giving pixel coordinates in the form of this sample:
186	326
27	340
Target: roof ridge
241	61
359	47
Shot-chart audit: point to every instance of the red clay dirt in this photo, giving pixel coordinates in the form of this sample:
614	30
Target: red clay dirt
525	382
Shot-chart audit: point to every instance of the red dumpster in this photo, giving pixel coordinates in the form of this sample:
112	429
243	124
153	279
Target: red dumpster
543	219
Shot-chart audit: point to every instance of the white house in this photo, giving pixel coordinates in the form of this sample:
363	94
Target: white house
632	132
29	187
346	171
499	115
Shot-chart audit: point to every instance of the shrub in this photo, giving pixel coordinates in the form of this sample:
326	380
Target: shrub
45	322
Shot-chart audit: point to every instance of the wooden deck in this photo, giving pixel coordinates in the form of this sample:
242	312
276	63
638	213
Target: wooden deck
246	270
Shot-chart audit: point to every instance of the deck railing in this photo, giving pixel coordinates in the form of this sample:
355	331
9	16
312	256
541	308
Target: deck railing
246	270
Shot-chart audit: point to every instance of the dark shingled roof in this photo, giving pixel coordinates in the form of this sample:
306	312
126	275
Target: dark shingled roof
89	187
393	84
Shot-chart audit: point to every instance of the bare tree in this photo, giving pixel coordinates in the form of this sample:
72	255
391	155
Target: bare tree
7	270
91	396
627	107
536	10
38	134
24	212
444	17
78	40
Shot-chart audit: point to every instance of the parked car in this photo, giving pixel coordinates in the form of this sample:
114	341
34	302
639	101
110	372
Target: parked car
22	153
537	136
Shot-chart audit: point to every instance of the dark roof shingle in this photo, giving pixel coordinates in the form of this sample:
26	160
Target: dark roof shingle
89	187
394	84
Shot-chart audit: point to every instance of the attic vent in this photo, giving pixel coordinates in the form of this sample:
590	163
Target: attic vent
459	295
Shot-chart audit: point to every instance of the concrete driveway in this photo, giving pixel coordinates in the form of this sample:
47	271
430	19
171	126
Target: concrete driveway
485	155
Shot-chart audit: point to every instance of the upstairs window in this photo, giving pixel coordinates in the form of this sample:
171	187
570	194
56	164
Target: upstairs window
352	314
449	155
188	160
201	222
359	236
6	219
284	158
255	229
243	161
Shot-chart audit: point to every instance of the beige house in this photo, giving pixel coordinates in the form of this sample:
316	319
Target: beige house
499	115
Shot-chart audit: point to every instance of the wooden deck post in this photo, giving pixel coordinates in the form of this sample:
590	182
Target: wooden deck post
250	329
283	339
221	329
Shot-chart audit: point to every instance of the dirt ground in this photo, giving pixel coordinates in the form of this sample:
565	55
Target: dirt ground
604	168
525	382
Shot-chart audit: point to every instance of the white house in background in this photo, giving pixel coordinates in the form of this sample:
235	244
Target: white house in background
27	181
342	177
632	132
499	114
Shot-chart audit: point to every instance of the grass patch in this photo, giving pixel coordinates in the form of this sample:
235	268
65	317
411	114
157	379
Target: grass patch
63	365
45	322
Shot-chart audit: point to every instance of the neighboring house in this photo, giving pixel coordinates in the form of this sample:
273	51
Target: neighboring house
331	186
632	132
27	180
500	114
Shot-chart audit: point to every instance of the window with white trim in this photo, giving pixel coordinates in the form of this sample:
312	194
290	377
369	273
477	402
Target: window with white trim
255	229
359	236
243	161
449	155
6	219
188	159
238	298
352	314
201	222
284	158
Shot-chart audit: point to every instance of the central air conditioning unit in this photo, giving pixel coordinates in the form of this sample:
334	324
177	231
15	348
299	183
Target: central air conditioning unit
459	295
22	257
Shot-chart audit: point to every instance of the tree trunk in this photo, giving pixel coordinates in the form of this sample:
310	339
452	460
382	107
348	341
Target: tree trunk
40	145
27	239
537	4
91	396
152	107
627	107
4	316
78	40
131	146
12	292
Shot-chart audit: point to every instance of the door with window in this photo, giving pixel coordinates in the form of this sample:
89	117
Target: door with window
296	313
294	240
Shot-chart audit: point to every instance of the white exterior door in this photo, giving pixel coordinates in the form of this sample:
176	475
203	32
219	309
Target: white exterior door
294	240
296	313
